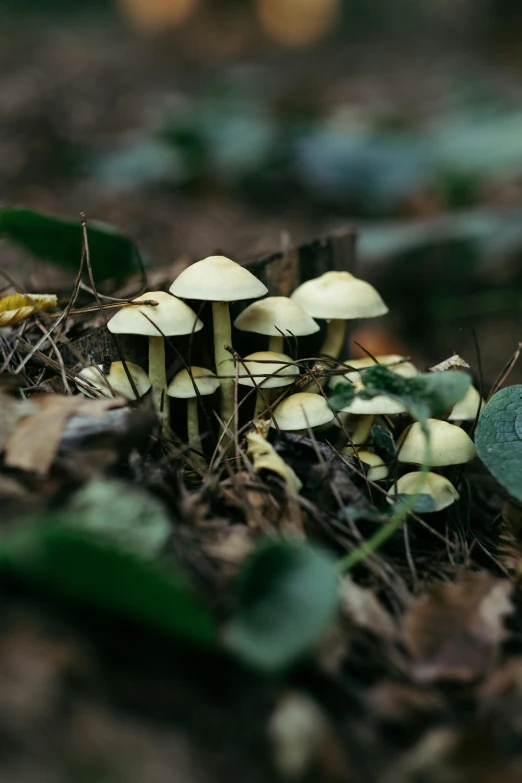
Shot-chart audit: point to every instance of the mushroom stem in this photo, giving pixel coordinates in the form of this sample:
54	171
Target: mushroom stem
334	340
260	404
222	358
276	343
193	436
158	379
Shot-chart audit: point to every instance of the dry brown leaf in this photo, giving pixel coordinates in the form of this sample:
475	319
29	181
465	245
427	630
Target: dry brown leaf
454	631
454	362
361	607
33	444
444	755
510	538
264	457
16	308
11	411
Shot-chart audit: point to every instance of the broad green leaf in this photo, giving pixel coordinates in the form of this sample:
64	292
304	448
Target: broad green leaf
59	241
499	438
128	516
286	596
425	396
80	567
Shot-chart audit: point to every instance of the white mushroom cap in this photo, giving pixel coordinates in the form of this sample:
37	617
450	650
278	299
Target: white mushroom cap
182	385
257	366
376	468
274	316
170	315
217	279
449	444
339	295
115	381
302	410
468	407
437	487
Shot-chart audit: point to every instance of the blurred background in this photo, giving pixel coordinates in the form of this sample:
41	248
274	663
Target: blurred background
243	126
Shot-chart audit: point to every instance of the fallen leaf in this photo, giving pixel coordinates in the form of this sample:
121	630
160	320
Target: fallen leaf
510	538
16	308
454	631
264	457
34	442
11	411
361	607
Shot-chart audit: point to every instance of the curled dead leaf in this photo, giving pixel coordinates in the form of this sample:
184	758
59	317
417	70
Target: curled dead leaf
33	444
16	308
454	631
264	457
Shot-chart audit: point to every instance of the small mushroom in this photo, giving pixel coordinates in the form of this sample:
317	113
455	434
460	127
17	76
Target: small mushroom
439	489
277	317
467	408
338	297
183	386
266	370
169	317
220	280
449	444
97	383
376	469
301	412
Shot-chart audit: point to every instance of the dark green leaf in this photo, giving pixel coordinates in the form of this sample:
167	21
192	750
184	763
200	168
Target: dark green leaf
82	568
59	241
343	395
383	443
286	595
425	396
423	503
499	438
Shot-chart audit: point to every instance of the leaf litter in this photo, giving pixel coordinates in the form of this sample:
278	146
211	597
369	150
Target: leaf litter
388	673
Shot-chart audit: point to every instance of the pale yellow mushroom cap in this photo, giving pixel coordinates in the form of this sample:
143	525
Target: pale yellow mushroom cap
276	316
468	407
339	295
115	382
449	444
182	385
442	491
376	469
171	316
261	364
302	410
217	279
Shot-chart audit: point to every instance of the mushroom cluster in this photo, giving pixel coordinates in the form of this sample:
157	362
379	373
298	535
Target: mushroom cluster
288	394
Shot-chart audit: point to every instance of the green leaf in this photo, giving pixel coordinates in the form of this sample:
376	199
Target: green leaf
422	504
286	597
79	567
498	438
425	396
343	395
131	518
59	241
383	443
